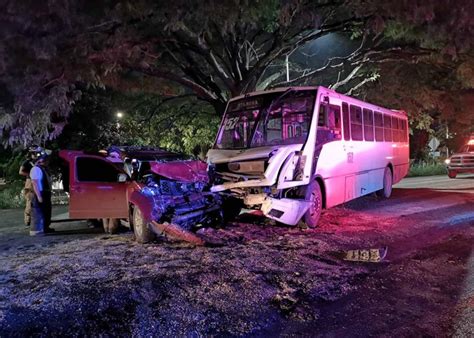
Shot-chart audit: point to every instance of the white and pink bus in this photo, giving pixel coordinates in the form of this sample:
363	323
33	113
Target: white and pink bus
291	152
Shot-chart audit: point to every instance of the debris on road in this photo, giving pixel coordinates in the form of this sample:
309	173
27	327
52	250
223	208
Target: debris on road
366	255
176	232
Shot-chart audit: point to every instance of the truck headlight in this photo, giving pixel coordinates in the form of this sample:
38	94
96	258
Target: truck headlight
447	161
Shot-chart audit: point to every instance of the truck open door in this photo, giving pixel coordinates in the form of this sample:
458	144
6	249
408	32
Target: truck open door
97	188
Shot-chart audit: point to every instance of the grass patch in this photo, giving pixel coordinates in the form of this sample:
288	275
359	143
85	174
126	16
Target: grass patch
11	195
427	169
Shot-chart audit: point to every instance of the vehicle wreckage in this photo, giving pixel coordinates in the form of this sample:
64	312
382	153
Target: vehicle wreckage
151	190
288	152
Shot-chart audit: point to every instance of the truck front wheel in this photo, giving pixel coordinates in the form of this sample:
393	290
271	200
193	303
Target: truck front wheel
142	232
315	197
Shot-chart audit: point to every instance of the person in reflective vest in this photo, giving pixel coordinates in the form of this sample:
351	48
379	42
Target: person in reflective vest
25	169
41	201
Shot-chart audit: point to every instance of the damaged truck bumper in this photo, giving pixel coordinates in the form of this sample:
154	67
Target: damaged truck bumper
178	215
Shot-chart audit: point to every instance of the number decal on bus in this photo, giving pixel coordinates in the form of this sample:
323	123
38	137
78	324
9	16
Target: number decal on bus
231	123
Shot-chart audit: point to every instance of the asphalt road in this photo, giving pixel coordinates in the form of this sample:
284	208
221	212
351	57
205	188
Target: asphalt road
266	280
463	182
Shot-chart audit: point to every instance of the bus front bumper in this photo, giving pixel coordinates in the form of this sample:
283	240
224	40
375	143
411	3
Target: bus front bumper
284	210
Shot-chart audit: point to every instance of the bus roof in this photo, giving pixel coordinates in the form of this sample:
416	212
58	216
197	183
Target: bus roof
331	92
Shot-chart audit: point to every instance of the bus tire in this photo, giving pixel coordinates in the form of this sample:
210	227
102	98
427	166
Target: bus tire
386	191
452	174
315	196
142	232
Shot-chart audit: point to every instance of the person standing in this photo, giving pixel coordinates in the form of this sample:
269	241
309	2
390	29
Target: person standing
41	201
25	169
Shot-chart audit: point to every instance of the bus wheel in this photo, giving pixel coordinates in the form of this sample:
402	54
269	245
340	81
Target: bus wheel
452	174
315	197
386	191
143	234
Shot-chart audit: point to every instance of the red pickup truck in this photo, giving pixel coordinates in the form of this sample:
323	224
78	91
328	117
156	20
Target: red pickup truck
140	186
462	161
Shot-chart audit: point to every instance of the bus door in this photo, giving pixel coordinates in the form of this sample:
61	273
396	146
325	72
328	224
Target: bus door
355	167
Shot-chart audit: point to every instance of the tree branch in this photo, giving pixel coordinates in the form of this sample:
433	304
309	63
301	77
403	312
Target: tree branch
163	102
200	91
347	78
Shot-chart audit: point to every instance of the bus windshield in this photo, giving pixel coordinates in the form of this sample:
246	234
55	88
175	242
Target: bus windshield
268	119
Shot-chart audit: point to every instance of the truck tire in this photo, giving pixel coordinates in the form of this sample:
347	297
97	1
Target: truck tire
110	225
315	196
452	174
142	232
386	191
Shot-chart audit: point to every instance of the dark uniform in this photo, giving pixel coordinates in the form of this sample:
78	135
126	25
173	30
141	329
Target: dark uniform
41	211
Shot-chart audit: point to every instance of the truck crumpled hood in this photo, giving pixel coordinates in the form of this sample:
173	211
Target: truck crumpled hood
183	171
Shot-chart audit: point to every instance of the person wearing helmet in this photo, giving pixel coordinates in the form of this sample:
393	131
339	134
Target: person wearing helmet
41	201
25	169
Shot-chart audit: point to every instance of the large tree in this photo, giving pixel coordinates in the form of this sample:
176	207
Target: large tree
212	49
437	87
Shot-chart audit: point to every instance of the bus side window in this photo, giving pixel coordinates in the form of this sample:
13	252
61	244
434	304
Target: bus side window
346	121
400	131
322	117
378	122
329	123
395	130
368	125
356	123
334	121
387	128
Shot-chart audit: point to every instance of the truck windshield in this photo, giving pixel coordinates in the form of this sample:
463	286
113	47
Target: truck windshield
268	119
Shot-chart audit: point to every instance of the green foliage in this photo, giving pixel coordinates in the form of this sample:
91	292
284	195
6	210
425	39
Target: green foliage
267	13
395	31
89	123
10	165
183	125
465	74
191	135
37	70
357	32
427	169
11	195
420	121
